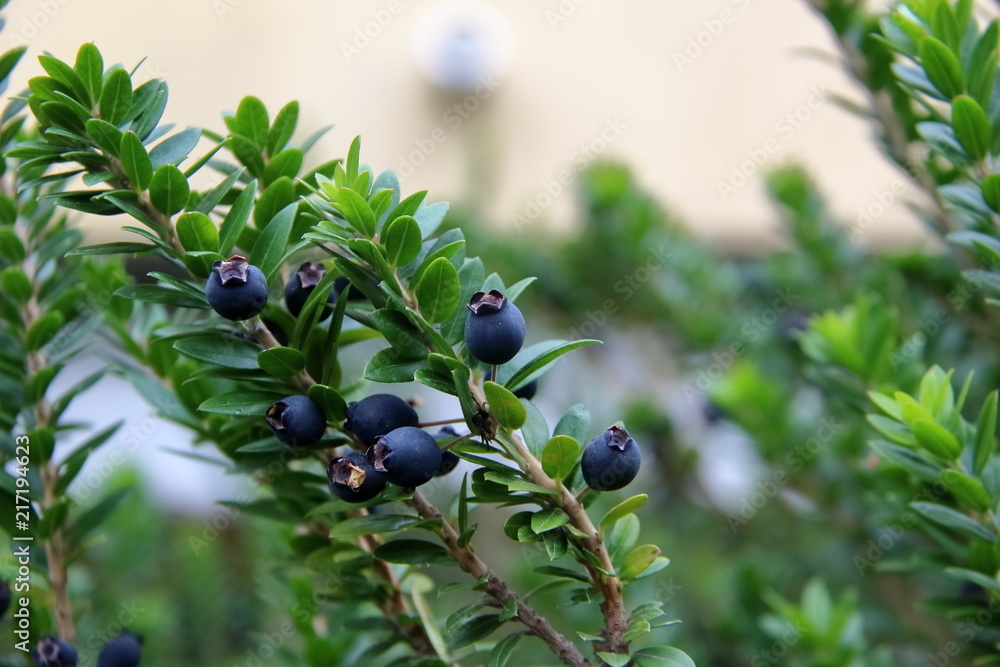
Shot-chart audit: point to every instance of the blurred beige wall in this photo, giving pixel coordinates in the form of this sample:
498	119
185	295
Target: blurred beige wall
688	92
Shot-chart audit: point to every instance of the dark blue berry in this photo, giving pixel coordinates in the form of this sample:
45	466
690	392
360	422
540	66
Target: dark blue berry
54	652
408	456
297	421
527	392
377	415
236	289
354	294
353	478
611	460
301	284
125	650
494	331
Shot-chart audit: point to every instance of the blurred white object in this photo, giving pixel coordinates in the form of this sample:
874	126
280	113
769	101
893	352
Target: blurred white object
460	45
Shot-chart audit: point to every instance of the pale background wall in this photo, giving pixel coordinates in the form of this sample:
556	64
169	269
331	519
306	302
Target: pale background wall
574	67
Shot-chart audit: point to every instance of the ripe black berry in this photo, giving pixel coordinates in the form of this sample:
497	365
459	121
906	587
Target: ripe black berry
236	289
611	460
301	284
494	331
353	478
527	392
125	650
408	456
354	294
54	652
377	415
297	420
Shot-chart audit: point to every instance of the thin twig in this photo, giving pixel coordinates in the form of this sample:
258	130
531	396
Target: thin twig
497	588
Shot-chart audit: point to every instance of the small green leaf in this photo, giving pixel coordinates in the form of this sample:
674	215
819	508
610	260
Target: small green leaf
196	231
285	164
622	510
330	400
374	524
241	403
549	519
389	366
105	135
414	552
281	362
539	364
439	290
116	98
15	285
936	439
473	630
942	67
225	350
90	67
402	241
283	127
559	456
251	116
353	159
43	330
113	248
357	212
986	429
972	127
270	246
638	561
969	492
95	516
614	659
236	219
990	187
504	406
949	518
135	160
662	656
167	296
504	650
169	190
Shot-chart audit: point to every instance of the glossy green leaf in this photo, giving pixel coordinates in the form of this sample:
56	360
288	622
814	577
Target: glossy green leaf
972	127
949	518
251	115
560	456
90	67
662	656
389	366
281	362
226	350
116	98
43	330
241	403
942	67
15	285
174	149
969	492
986	429
374	524
402	241
113	248
270	246
549	519
638	561
357	212
438	291
990	188
414	552
614	659
160	294
503	651
236	218
936	439
333	404
196	231
283	127
169	190
135	161
504	406
623	509
539	364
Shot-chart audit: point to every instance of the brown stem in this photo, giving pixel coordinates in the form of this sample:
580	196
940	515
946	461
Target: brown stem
497	588
609	585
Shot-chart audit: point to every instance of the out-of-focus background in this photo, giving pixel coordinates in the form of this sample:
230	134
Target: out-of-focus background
696	95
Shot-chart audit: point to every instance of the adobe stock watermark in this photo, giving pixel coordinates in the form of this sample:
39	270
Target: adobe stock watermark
784	129
562	12
365	34
795	460
580	159
712	29
626	286
33	23
751	332
452	119
129	613
777	651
